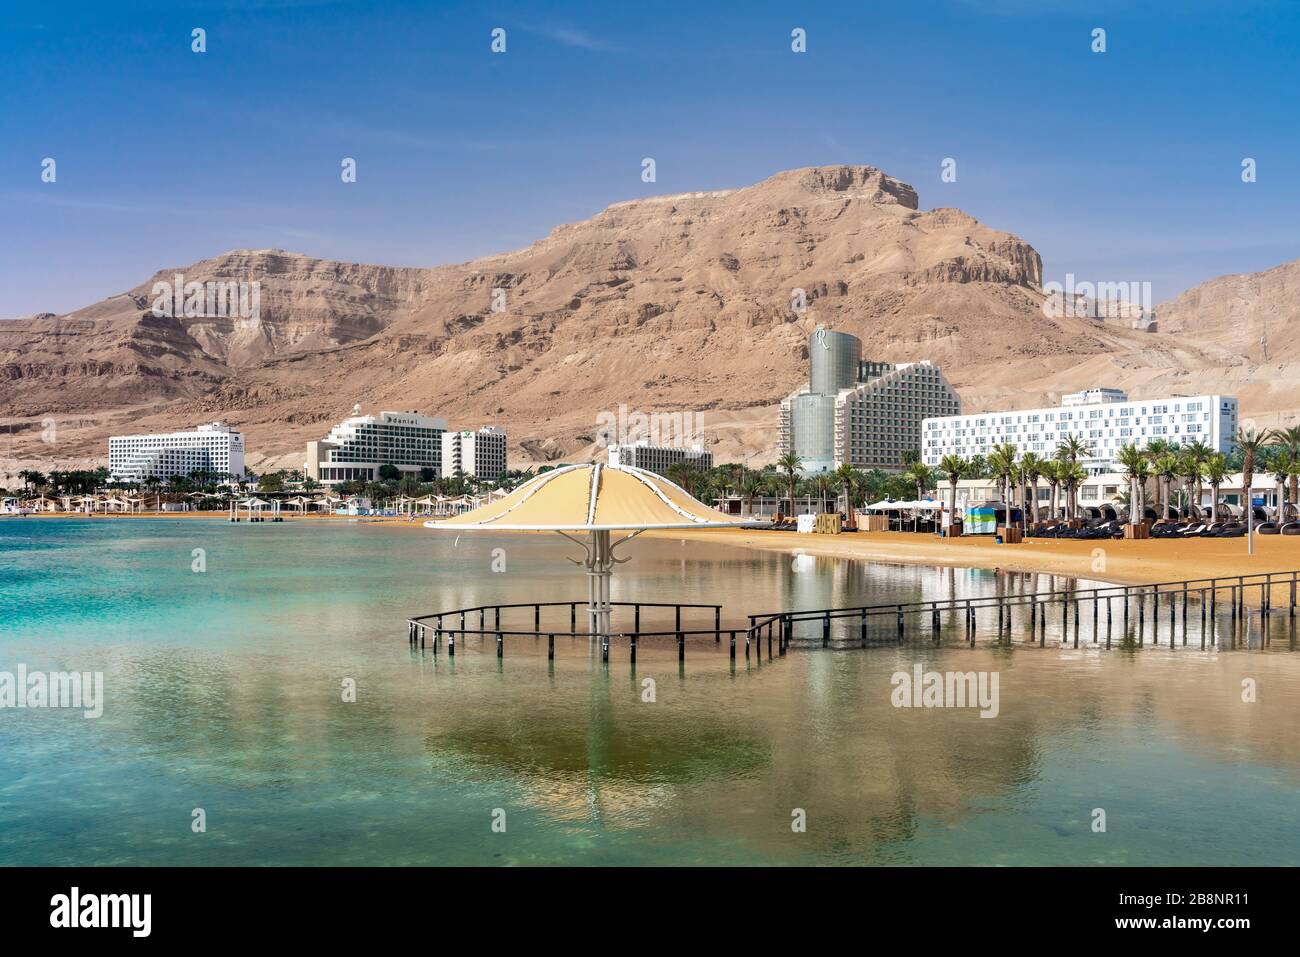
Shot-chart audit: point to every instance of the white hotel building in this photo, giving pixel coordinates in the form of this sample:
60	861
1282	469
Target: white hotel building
1105	419
480	454
213	448
357	447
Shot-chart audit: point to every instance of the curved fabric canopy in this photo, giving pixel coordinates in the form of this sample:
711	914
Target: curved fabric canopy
590	498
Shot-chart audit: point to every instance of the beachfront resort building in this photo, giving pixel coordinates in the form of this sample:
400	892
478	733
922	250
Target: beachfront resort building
213	448
357	447
865	413
1104	419
480	455
659	458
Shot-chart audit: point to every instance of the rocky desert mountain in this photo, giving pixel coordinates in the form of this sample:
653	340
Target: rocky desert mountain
671	303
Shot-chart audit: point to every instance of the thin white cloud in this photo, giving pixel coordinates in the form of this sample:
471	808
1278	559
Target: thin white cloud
571	36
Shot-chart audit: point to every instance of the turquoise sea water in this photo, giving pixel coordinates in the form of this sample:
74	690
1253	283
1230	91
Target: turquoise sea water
224	691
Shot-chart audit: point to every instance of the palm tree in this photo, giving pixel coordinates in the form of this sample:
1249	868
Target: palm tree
1017	483
953	466
1279	463
32	479
1215	469
822	486
1031	469
1070	450
1052	472
1166	467
1071	477
847	476
751	484
1250	443
789	463
1191	463
923	477
1002	462
1137	467
1289	439
1292	474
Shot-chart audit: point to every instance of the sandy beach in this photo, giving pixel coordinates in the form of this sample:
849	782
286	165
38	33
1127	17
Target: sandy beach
1119	561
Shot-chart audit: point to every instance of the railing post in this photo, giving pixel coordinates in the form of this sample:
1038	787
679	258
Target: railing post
550	647
681	645
501	646
678	625
826	631
637	625
732	646
1155	614
537	617
451	644
748	637
497	612
769	639
1142	619
1185	600
900	624
573	616
717	624
633	646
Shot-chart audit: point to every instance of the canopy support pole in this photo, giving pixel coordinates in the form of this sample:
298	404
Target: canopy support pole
600	564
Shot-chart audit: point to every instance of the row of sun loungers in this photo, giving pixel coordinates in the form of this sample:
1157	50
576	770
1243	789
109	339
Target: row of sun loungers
1232	529
1093	530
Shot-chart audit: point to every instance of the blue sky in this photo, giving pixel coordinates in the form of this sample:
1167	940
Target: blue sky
1121	166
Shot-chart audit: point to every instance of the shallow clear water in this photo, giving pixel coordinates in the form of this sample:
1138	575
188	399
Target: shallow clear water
224	692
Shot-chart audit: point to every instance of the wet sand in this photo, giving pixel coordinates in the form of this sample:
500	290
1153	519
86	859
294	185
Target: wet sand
1119	561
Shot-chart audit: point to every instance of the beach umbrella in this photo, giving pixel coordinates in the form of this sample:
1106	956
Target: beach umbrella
593	501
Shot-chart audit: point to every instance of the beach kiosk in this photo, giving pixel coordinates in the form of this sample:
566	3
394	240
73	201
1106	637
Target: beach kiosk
586	504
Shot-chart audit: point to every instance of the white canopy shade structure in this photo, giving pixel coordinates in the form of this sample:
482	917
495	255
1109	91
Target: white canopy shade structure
593	500
921	506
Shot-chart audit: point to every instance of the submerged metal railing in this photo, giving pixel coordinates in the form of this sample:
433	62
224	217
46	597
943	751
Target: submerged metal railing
1128	602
